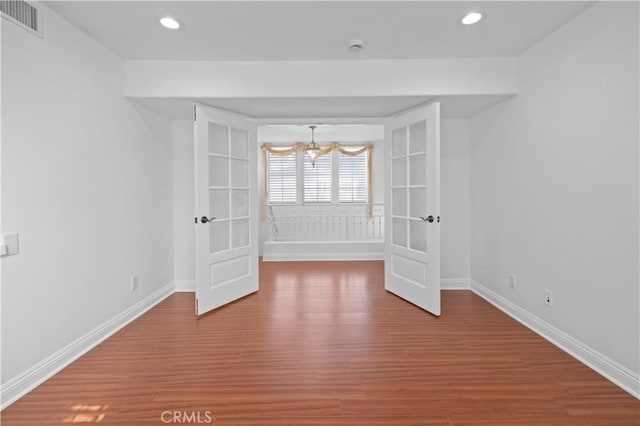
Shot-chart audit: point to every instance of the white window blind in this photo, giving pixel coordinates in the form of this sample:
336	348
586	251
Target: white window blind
352	178
317	180
281	179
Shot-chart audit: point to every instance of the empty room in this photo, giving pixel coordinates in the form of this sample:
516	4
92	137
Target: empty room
320	212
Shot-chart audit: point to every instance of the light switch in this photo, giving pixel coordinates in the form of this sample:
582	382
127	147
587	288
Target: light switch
9	244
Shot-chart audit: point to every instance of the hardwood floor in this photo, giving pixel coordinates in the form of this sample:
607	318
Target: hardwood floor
323	343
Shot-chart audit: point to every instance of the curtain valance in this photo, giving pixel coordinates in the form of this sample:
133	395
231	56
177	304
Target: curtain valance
351	150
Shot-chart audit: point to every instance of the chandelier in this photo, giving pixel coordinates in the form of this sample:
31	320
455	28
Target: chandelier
312	149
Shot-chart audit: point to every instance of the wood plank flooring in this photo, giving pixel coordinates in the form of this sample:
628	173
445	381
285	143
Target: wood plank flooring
323	343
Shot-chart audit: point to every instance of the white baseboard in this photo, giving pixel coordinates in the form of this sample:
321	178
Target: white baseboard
28	380
298	251
184	286
326	257
605	366
455	283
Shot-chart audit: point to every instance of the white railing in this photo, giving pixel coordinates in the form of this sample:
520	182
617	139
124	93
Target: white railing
325	223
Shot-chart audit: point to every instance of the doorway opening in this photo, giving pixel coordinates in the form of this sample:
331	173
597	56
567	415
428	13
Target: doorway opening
226	188
330	210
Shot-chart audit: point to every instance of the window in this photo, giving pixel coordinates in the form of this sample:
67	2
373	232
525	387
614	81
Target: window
281	179
336	178
352	178
317	179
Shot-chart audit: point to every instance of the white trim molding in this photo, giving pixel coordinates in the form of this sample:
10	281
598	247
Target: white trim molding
455	284
324	257
31	378
184	286
603	365
298	251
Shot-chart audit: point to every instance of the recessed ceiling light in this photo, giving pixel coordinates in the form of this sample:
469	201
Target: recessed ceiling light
169	22
472	18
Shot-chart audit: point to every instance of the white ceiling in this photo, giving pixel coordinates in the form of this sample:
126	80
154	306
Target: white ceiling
317	30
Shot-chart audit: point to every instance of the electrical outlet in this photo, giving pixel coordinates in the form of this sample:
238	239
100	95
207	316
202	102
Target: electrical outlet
135	283
512	281
548	297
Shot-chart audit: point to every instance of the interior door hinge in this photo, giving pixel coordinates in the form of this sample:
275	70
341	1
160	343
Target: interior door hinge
194	113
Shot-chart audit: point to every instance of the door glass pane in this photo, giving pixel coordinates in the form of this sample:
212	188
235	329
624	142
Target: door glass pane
417	202
418	169
239	173
240	233
239	143
218	139
418	137
418	235
218	171
218	236
219	203
240	202
399	168
399	202
400	232
399	142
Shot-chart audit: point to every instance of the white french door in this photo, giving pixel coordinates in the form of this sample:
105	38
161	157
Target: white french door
412	207
226	204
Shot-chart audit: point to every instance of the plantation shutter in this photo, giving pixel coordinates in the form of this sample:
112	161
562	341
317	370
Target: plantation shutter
281	178
317	180
352	178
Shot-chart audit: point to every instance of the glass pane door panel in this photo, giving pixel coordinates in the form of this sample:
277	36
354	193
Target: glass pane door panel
399	177
218	139
219	203
218	236
418	202
239	143
240	203
399	202
239	173
399	232
417	234
240	233
418	137
418	169
218	171
399	142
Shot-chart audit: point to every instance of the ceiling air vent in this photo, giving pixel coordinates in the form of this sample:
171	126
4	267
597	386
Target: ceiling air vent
23	14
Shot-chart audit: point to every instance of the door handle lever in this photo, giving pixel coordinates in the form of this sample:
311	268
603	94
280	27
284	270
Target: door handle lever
205	219
427	219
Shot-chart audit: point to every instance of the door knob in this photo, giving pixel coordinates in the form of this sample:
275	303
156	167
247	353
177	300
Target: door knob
427	219
205	219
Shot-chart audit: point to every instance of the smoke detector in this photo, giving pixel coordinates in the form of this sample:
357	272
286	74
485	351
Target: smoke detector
356	45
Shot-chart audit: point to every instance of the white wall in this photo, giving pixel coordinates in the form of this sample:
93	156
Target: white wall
454	199
86	182
183	203
554	183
